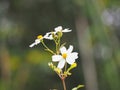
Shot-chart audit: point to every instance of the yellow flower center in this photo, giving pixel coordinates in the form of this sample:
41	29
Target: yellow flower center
39	37
64	55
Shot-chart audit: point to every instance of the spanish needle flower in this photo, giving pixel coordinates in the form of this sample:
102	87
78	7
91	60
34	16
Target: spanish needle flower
37	41
60	29
50	35
40	37
67	56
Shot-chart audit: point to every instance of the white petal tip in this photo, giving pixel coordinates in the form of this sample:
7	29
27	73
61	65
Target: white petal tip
66	30
32	45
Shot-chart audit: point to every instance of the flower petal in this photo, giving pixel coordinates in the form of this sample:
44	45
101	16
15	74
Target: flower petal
70	49
74	55
63	50
48	36
61	63
33	44
70	60
59	28
66	30
37	41
56	58
71	57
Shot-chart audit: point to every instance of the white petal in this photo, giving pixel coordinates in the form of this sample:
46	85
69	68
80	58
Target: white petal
70	60
63	50
74	55
70	49
37	41
71	57
33	44
48	36
61	63
59	28
56	58
66	30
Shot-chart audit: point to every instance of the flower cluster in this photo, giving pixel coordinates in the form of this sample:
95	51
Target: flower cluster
49	35
65	57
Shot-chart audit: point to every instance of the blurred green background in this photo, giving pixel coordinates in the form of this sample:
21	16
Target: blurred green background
95	35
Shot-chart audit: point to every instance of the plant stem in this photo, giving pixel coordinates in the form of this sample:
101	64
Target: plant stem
64	85
65	67
47	48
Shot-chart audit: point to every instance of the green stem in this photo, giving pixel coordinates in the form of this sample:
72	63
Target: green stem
59	42
58	46
47	48
65	67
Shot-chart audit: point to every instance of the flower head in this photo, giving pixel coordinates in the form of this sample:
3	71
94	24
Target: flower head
49	35
60	29
57	32
66	56
40	37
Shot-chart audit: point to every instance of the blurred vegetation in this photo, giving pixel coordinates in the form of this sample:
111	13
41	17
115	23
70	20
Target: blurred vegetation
95	25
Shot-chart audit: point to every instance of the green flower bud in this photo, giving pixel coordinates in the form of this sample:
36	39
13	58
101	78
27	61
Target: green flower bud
72	66
57	70
60	34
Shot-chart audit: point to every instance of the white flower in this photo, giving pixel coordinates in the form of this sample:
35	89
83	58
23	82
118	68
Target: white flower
49	35
40	37
60	29
66	56
57	29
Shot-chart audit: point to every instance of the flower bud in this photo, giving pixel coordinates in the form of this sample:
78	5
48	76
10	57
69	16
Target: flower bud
74	65
50	64
60	34
71	67
57	70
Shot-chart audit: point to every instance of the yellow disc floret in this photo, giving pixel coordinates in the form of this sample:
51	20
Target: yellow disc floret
39	37
64	55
